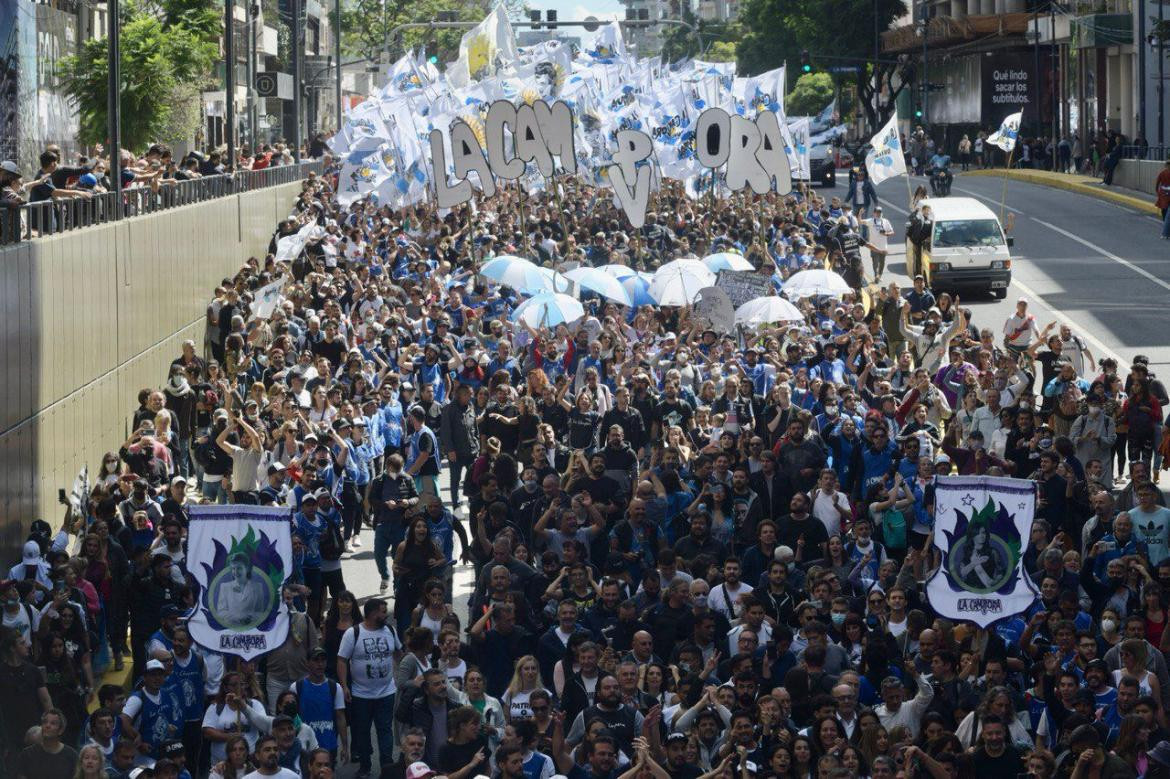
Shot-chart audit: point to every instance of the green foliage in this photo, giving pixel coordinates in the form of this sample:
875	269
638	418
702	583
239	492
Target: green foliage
812	92
775	32
366	27
721	51
721	38
166	53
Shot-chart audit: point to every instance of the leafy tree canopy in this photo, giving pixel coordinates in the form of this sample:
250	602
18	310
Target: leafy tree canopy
812	92
776	31
367	27
166	47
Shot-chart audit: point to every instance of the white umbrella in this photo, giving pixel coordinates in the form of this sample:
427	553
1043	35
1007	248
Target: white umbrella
548	309
519	274
596	280
810	283
768	309
618	271
727	261
677	283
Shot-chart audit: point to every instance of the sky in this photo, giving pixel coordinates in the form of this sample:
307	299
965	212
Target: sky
576	10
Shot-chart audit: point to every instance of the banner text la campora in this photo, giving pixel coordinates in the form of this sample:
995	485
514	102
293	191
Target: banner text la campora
754	153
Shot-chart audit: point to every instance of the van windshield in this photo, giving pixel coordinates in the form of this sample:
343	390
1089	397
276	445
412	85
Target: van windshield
968	232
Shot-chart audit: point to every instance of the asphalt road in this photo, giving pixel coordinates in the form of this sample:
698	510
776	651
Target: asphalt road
1099	267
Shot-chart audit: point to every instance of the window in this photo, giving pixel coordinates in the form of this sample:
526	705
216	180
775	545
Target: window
967	232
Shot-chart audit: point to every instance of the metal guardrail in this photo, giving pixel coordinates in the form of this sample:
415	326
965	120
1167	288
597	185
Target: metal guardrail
50	217
1154	153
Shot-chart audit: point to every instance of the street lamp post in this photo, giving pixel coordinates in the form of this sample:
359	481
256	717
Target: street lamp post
1055	85
925	72
229	94
337	50
1036	57
114	104
298	78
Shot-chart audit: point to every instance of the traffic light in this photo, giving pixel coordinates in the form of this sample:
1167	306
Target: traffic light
805	62
534	18
551	16
918	113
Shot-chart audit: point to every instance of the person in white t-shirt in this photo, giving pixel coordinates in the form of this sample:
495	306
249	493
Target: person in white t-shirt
725	597
1020	328
225	718
366	660
829	504
879	229
1076	350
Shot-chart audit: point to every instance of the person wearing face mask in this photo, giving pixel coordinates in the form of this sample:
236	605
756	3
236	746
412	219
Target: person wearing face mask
973	459
1094	433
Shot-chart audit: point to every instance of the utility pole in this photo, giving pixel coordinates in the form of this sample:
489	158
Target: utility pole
114	104
298	78
229	94
1161	75
1055	81
925	72
252	27
1141	77
337	50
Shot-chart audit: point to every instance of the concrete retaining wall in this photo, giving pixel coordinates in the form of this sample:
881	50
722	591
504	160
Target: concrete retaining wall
90	317
1137	174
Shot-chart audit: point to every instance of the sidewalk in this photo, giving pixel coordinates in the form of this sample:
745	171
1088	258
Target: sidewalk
1079	183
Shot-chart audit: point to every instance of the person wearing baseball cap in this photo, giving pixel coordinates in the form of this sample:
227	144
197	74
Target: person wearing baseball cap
146	715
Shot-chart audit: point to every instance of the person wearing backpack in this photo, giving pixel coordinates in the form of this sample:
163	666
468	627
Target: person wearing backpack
889	510
322	706
20	616
365	669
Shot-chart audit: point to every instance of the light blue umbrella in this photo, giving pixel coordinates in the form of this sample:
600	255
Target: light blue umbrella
520	274
638	286
597	280
727	261
548	309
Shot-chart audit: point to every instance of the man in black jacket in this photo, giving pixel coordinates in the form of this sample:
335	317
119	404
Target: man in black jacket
390	496
429	710
626	417
459	437
773	488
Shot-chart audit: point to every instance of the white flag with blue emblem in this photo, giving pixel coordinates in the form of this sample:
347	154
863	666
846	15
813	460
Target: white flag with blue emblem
886	159
1009	130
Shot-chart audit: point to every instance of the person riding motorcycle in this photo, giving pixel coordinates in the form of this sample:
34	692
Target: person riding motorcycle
940	174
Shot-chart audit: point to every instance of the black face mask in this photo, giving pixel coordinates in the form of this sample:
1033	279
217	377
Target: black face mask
290	709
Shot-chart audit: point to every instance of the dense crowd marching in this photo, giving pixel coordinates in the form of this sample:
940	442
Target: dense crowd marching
695	553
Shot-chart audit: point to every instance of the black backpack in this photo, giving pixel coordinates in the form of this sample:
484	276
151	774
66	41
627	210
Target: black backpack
331	543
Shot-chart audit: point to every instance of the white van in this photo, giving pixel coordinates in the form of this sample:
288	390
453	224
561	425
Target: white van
967	248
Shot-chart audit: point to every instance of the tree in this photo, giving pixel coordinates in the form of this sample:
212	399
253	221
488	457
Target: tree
812	92
721	51
166	49
679	42
367	27
776	31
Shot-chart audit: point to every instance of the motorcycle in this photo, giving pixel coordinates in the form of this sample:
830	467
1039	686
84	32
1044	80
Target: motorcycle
940	181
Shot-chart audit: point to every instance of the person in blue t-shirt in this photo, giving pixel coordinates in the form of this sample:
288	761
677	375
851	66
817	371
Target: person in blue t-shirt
321	703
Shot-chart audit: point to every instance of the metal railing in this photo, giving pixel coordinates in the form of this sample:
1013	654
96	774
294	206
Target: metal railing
50	217
1155	153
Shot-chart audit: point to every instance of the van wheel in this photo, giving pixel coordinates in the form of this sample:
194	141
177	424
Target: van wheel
999	294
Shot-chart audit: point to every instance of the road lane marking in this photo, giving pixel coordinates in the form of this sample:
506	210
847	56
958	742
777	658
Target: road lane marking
1105	351
1106	254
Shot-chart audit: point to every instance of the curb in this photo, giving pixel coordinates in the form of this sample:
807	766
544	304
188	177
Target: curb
1071	184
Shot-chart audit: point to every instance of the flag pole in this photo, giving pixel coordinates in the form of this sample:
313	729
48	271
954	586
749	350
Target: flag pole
1003	196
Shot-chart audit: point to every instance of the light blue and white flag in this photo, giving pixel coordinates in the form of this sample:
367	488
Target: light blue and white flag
886	159
1009	130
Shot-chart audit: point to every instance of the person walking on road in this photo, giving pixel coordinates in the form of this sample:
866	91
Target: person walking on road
1162	190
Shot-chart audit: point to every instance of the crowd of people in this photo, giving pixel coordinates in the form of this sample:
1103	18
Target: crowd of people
694	553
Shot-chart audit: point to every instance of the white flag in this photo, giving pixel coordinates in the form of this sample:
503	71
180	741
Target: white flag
982	526
796	138
268	297
1005	136
240	557
886	159
485	50
608	45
